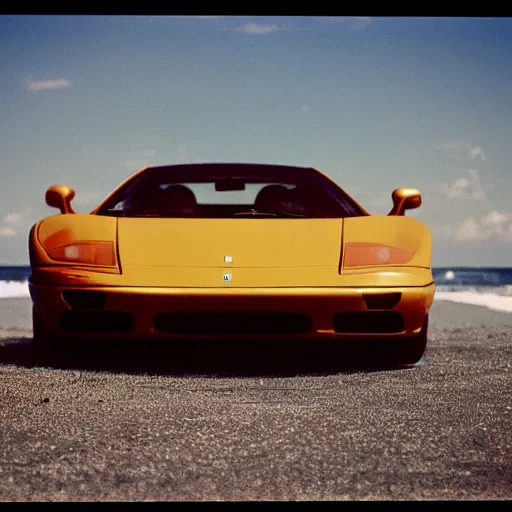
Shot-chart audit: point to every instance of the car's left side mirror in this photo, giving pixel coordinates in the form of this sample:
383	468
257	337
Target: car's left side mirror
60	196
405	199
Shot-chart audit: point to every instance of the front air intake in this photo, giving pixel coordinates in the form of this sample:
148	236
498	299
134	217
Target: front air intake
368	322
107	322
234	322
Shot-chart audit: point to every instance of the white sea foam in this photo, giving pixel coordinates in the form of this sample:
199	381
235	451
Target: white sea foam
13	289
495	301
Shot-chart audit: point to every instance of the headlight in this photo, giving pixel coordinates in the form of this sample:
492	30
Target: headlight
362	254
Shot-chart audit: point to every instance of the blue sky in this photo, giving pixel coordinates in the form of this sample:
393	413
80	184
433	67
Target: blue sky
373	102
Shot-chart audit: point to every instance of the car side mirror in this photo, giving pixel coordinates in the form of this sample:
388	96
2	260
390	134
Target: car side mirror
405	199
60	196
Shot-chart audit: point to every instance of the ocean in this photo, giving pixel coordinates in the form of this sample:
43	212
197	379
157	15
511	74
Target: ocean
483	286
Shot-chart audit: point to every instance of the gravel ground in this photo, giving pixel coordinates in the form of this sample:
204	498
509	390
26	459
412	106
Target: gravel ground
258	423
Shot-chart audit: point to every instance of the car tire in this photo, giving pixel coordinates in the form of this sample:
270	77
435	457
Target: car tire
44	346
409	352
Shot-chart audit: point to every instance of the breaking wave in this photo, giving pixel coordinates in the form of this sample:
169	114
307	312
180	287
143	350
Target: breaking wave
13	289
498	300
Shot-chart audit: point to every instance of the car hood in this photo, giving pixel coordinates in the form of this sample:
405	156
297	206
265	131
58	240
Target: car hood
234	243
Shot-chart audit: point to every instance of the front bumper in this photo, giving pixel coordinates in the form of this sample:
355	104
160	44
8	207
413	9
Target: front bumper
161	313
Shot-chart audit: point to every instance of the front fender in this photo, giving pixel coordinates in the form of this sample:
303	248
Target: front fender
61	229
395	231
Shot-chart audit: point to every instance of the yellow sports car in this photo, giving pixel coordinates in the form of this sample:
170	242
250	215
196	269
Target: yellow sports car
233	250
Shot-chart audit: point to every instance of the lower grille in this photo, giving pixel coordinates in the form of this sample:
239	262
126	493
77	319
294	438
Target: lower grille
258	323
96	321
369	322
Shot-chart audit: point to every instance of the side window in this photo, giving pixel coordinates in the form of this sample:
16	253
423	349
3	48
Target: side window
116	209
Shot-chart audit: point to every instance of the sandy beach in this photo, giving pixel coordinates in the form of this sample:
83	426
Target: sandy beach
259	422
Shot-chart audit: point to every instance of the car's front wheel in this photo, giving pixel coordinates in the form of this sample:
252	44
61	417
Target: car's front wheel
409	351
44	346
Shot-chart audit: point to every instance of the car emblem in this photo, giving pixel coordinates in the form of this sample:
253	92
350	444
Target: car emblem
228	259
227	278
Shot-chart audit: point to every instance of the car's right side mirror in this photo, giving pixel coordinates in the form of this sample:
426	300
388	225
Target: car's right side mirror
60	196
405	199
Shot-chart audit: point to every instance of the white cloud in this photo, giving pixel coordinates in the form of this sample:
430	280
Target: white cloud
477	152
494	225
304	108
13	218
45	85
470	187
496	219
12	221
468	230
17	218
463	149
7	231
256	28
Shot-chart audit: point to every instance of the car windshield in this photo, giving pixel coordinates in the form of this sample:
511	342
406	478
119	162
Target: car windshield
230	191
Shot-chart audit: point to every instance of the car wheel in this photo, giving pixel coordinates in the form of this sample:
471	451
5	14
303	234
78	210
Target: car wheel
44	346
406	352
409	352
